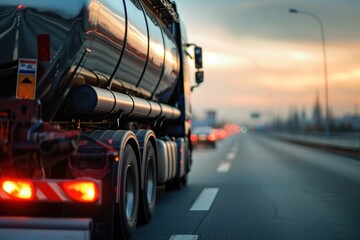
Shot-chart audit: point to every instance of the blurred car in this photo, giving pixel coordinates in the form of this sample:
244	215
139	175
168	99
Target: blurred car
203	136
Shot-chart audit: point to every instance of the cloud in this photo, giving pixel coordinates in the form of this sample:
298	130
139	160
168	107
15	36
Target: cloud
272	20
258	57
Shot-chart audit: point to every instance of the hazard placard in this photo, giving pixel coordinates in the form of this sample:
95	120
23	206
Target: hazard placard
26	81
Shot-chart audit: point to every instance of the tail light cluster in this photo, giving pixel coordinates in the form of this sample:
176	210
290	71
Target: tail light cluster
63	191
81	191
211	137
18	189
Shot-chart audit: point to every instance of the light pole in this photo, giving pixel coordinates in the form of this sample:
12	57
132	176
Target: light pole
291	10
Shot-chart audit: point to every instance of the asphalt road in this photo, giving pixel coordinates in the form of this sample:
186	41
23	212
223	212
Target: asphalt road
254	187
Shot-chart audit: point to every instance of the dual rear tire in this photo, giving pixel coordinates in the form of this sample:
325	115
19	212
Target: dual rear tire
134	202
148	193
128	193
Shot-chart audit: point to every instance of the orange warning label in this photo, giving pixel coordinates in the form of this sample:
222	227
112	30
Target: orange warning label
26	87
26	83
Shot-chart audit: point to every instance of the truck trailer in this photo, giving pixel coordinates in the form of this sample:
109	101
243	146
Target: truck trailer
95	114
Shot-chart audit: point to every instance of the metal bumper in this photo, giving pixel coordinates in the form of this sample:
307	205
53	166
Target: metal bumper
25	228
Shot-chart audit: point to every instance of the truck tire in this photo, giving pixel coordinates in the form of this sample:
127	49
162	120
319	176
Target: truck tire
128	190
148	194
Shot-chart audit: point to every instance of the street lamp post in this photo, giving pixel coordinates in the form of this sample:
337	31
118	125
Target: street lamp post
291	10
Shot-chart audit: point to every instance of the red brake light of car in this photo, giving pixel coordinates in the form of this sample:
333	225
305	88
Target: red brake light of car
18	189
211	137
82	191
193	138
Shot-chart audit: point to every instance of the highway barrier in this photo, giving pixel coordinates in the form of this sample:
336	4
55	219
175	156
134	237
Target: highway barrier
347	144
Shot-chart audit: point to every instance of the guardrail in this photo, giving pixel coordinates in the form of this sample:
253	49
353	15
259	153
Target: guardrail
347	144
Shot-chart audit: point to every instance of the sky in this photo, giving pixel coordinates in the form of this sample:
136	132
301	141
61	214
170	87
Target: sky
260	58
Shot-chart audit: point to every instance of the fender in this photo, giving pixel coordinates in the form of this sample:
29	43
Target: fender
118	139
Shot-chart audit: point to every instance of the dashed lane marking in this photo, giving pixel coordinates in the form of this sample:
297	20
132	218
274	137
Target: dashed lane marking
230	156
224	167
205	199
184	237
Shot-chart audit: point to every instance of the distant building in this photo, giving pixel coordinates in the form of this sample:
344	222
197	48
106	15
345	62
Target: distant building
317	116
303	118
210	118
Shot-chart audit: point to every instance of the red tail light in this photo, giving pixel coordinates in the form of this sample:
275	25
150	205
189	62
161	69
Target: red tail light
193	138
211	137
82	191
18	189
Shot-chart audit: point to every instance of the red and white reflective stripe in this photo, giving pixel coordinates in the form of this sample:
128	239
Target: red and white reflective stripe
40	195
58	190
50	191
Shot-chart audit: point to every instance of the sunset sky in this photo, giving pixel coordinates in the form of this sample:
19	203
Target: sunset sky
260	58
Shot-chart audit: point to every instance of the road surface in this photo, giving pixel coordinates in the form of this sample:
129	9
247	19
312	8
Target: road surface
254	187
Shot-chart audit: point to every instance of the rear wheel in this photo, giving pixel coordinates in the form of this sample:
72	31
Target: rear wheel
148	194
128	190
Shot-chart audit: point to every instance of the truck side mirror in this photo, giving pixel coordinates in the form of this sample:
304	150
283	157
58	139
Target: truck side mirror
199	77
198	57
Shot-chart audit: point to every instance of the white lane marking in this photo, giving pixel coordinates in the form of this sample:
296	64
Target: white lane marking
184	237
205	199
224	167
231	156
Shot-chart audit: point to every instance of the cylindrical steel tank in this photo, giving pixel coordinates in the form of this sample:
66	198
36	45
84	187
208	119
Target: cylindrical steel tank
119	45
89	100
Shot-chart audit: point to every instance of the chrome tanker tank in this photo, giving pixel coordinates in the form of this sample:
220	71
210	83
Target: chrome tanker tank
116	45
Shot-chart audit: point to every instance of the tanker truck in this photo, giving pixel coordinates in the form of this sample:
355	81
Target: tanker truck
95	115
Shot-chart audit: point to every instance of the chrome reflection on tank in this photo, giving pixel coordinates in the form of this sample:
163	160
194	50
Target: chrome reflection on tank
134	59
155	65
108	39
167	83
